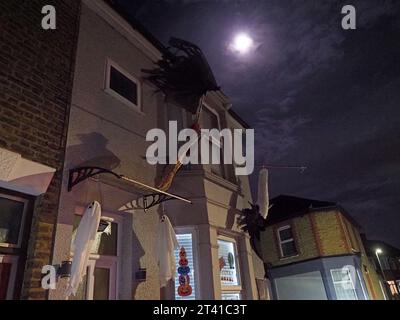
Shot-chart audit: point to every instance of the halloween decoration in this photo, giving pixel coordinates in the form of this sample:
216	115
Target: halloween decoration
84	239
251	221
166	246
185	78
184	288
183	75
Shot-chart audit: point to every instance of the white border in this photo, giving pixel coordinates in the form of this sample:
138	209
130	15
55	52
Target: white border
110	63
22	225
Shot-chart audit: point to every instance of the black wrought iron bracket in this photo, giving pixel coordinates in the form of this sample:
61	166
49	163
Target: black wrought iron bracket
80	174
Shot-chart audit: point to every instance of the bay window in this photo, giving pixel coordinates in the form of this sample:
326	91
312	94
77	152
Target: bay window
343	283
231	287
186	240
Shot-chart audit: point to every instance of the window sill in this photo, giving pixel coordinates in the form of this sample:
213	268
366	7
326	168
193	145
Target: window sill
288	257
124	101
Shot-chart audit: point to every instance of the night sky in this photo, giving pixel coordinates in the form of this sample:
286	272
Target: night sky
317	95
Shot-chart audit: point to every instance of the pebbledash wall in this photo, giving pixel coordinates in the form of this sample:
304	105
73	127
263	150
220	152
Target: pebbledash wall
36	70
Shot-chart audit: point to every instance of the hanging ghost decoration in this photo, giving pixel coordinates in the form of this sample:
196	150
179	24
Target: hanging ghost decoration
263	196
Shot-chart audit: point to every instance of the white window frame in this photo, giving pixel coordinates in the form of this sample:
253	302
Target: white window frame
23	218
237	288
343	281
103	261
193	232
278	231
110	63
13	260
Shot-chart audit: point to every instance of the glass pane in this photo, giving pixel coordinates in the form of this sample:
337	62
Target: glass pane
123	85
101	289
105	244
231	296
289	249
186	241
285	234
228	263
5	271
11	213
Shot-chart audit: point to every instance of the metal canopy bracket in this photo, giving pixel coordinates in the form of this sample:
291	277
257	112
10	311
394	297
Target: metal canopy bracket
80	174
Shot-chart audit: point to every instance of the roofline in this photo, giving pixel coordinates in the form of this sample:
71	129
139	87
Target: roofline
135	33
314	210
238	119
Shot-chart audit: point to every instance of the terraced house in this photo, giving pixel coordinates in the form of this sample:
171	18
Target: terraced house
313	250
75	108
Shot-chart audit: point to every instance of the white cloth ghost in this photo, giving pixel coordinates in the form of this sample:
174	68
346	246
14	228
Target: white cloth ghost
84	239
263	197
165	248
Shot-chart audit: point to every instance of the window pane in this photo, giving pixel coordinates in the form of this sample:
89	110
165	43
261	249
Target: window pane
11	213
186	241
343	284
228	263
231	296
5	271
288	249
285	234
105	244
101	289
123	85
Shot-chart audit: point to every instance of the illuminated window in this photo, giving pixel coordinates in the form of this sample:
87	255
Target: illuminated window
186	240
393	287
344	286
229	269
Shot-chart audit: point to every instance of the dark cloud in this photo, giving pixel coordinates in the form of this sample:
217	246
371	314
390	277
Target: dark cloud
316	94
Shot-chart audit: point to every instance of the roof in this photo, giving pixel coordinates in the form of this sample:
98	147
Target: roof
238	119
285	207
135	24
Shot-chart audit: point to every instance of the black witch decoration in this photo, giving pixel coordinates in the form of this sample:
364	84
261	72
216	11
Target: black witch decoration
252	222
185	78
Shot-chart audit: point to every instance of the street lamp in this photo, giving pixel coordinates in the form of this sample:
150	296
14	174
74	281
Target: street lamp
378	251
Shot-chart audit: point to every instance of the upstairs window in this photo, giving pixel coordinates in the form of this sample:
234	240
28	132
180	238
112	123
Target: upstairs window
286	242
122	85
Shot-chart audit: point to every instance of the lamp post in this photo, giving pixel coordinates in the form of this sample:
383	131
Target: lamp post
378	251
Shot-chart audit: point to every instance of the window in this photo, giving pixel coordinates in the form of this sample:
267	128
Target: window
186	240
344	286
100	280
210	120
229	269
14	220
122	86
286	242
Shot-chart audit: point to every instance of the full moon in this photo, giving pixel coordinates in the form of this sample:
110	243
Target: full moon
242	43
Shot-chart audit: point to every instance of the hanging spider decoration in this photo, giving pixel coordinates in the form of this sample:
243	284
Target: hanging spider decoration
183	75
251	221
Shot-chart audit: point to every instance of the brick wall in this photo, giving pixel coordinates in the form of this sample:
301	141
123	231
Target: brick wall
35	88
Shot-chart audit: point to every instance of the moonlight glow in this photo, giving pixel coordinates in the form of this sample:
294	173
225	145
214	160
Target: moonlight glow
242	43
